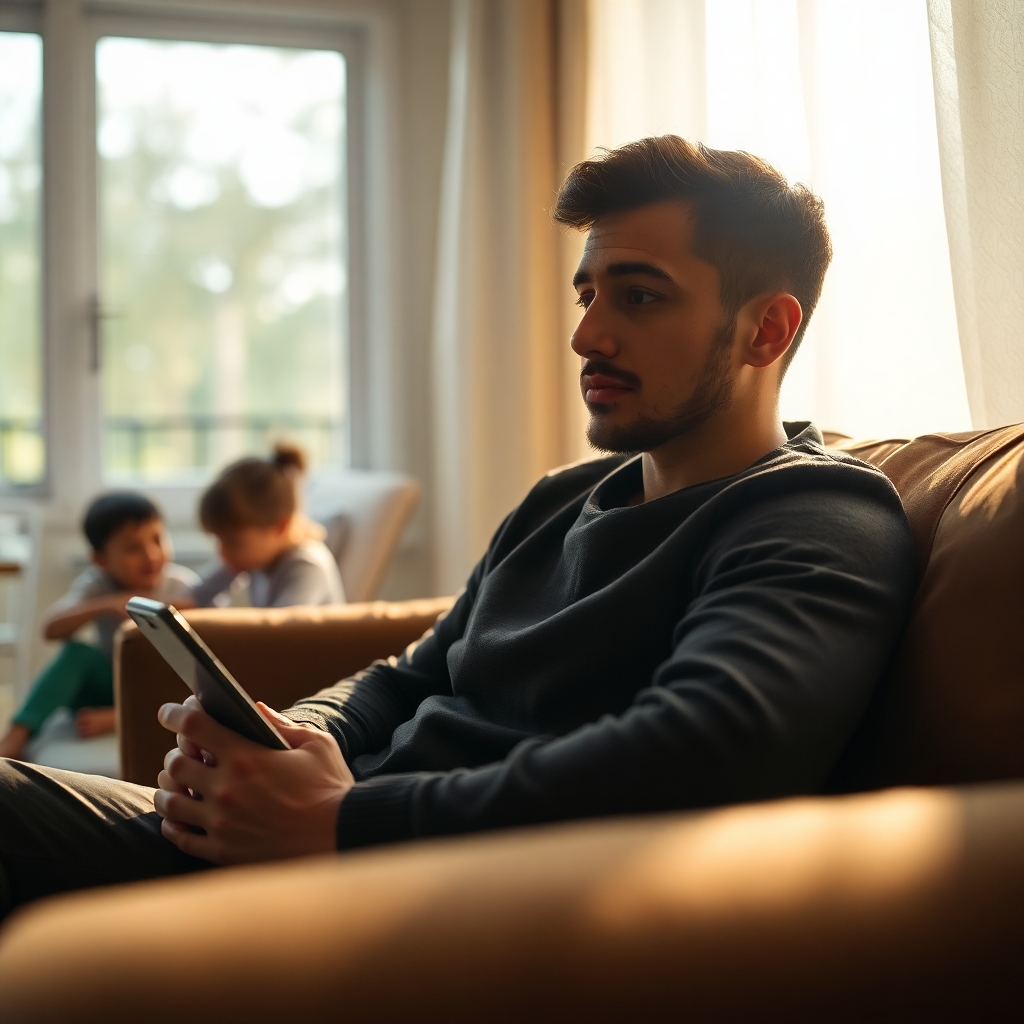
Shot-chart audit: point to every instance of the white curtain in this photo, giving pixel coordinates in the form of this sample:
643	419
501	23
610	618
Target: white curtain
837	94
500	368
978	55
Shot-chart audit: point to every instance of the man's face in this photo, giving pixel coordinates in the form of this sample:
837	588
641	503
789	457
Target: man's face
135	555
654	341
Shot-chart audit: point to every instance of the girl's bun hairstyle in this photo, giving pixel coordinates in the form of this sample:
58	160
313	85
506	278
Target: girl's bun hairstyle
254	492
290	457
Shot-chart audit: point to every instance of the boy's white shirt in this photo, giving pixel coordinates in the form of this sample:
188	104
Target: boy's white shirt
175	585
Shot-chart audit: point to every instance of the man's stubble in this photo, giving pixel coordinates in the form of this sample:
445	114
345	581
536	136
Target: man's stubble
711	394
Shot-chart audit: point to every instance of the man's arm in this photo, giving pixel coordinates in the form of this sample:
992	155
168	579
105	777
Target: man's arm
252	803
796	615
229	800
362	712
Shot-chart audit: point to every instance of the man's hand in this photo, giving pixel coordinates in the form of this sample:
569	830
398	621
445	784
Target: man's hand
251	803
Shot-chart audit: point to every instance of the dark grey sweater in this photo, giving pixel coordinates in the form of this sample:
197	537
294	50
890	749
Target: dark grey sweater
718	644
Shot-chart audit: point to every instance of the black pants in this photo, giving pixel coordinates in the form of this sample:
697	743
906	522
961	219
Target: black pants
61	830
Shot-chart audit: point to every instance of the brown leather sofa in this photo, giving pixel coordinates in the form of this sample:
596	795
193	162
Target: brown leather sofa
904	903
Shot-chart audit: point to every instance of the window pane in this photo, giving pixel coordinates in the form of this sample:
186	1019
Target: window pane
222	232
21	407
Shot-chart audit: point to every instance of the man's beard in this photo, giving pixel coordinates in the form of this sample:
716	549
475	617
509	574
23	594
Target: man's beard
712	393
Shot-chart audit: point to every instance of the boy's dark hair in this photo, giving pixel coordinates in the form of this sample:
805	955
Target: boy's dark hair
761	233
109	512
254	492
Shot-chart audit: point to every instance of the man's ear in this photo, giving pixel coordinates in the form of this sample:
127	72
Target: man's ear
776	318
98	559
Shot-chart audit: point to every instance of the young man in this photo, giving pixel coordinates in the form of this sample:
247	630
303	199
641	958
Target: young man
699	623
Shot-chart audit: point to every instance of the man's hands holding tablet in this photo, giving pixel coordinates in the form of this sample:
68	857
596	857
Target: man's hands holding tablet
253	803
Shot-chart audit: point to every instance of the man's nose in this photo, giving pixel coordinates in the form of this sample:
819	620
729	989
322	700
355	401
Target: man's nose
593	335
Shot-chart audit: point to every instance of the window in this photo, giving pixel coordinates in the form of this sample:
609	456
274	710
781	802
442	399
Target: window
22	458
185	269
222	245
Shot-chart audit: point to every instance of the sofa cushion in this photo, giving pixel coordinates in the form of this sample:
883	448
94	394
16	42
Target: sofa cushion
952	707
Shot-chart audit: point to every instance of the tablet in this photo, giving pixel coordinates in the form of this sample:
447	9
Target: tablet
183	649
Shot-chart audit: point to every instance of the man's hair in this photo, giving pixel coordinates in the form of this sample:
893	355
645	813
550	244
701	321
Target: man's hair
759	232
109	512
254	492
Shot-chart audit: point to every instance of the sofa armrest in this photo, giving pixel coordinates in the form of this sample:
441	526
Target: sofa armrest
905	906
278	655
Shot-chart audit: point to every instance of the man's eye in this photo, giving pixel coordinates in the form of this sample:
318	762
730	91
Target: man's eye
640	297
585	299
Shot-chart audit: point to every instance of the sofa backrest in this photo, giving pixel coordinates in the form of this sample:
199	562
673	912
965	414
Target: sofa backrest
951	708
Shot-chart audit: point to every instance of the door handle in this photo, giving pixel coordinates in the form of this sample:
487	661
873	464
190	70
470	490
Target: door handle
97	314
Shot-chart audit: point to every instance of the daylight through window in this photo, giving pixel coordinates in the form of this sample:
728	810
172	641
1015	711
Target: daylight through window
21	387
223	242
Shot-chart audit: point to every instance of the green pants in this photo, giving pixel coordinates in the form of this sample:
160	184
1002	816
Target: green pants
79	677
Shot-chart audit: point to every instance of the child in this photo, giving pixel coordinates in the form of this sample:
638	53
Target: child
131	556
253	509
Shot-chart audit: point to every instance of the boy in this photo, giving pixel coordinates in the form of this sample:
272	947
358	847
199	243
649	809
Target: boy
131	556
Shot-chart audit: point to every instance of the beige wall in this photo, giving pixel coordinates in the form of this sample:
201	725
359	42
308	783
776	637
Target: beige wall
424	95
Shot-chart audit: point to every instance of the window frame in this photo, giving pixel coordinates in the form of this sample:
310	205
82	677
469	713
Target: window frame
28	20
72	399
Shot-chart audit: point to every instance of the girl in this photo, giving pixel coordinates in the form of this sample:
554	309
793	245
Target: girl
253	510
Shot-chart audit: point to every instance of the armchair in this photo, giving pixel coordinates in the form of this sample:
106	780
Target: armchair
278	655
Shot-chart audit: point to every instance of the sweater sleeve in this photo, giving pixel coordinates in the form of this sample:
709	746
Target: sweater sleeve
797	609
362	712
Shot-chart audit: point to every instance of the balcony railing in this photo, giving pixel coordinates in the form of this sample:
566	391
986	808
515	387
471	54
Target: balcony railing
168	446
165	445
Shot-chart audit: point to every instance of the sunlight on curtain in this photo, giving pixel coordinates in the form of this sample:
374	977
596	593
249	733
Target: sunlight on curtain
22	452
497	366
979	90
837	94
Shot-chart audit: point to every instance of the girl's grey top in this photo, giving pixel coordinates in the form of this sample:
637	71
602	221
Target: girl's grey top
307	575
175	585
